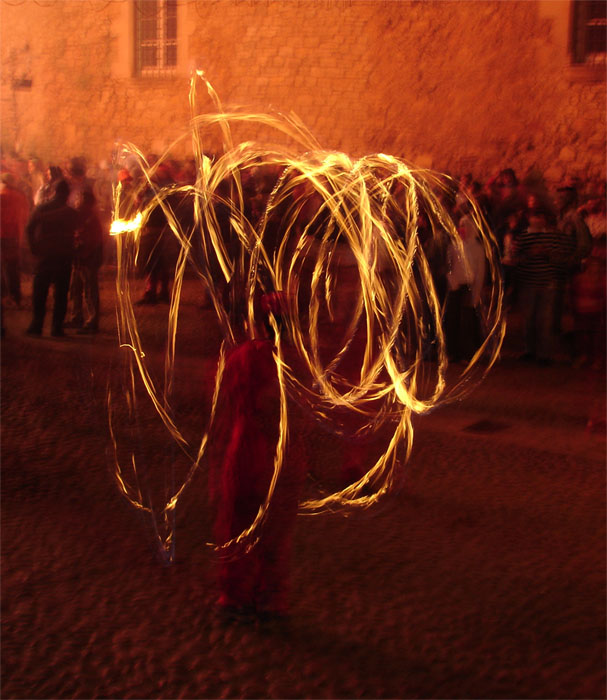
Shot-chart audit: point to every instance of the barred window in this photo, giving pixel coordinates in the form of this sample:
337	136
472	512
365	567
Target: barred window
155	37
589	32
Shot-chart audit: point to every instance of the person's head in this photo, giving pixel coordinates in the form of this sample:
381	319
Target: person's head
163	175
7	179
125	178
537	218
54	173
62	191
272	304
467	228
466	181
567	194
33	165
514	220
189	171
507	178
77	168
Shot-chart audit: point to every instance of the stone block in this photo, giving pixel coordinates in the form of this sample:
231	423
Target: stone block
567	154
554	173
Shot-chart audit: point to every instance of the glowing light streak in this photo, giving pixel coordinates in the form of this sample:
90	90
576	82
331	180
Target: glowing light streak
340	239
121	226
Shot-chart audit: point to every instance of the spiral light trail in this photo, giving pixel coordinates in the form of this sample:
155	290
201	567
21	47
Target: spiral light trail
339	240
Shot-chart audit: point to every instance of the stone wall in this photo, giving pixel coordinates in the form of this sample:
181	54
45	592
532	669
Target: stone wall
456	85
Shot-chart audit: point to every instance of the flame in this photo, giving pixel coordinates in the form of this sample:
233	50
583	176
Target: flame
120	226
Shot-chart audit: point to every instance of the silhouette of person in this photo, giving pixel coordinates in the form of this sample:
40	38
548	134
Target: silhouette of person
50	232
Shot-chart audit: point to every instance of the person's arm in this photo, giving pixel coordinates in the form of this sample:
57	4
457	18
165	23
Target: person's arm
562	250
583	239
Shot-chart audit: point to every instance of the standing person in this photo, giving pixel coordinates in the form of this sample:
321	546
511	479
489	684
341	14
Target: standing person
589	294
516	224
126	199
465	279
507	199
541	256
35	176
252	580
104	194
577	236
78	181
572	225
50	232
47	191
155	239
14	211
88	256
595	217
589	291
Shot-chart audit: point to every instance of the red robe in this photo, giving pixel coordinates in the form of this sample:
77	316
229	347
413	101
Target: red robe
241	468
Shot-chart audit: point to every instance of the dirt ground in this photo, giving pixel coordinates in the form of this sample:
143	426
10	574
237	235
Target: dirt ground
483	577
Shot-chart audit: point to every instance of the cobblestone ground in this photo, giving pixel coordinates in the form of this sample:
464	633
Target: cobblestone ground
484	577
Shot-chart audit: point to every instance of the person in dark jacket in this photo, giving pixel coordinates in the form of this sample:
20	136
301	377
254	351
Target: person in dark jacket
88	256
50	233
154	252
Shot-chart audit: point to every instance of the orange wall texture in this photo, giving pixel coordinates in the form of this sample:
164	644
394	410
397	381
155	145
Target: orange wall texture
454	85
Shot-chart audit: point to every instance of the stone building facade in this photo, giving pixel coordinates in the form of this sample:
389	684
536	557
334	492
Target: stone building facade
460	86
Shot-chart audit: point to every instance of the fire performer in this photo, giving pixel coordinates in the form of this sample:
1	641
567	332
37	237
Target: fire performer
253	578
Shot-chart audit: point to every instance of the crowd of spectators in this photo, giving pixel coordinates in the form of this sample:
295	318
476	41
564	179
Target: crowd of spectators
552	252
551	245
54	222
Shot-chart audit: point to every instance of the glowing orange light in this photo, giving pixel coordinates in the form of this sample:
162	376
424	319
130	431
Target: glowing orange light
119	226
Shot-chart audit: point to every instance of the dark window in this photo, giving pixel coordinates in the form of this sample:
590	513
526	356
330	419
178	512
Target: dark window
155	36
589	31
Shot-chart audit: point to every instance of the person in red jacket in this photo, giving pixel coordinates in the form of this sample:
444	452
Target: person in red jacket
14	212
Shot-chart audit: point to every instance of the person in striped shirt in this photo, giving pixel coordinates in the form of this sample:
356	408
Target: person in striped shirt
542	253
